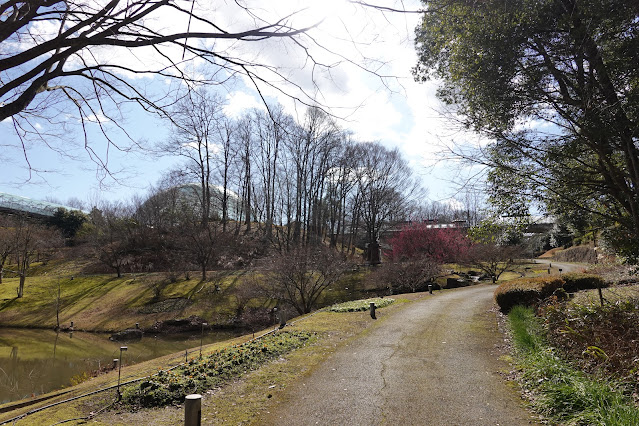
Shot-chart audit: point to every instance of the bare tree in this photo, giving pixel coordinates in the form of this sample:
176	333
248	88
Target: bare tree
68	62
408	275
202	245
30	240
7	243
61	56
245	145
225	160
387	189
112	235
271	129
197	120
493	259
298	278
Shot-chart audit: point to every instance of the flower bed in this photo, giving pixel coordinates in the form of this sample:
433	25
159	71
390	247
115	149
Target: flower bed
361	305
199	375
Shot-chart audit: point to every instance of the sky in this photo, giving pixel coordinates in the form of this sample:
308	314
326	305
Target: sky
396	110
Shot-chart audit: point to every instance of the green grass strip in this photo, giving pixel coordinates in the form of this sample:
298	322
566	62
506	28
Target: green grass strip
562	393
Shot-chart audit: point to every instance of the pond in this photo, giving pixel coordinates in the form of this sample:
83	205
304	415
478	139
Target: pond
34	362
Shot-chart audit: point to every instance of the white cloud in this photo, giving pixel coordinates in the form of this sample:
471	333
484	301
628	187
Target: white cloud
237	102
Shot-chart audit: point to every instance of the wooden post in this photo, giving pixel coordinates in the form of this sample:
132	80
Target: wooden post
193	410
373	310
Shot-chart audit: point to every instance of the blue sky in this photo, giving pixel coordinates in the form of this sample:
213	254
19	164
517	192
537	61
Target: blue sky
397	112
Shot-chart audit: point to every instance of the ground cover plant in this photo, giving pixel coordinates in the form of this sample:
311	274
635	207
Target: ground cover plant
599	339
561	391
361	305
169	387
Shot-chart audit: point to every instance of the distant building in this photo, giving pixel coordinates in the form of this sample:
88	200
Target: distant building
15	204
190	196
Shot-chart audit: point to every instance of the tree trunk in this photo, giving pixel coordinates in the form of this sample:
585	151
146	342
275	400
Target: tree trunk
57	309
21	285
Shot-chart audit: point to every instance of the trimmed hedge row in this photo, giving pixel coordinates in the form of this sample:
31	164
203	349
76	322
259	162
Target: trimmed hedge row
526	291
531	291
577	281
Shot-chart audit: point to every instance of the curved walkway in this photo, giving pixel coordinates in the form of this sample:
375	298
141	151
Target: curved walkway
565	266
433	362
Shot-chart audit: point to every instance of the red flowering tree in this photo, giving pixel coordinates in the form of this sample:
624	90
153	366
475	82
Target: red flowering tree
442	245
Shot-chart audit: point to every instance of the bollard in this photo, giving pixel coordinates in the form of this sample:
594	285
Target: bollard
560	271
71	325
548	271
430	289
115	363
373	310
122	349
193	410
137	325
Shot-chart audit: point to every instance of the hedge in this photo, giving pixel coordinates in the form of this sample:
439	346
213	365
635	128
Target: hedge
577	281
526	291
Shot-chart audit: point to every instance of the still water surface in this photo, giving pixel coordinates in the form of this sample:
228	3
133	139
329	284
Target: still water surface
33	362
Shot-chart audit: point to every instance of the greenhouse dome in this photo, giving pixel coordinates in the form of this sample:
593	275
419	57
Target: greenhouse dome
15	204
189	196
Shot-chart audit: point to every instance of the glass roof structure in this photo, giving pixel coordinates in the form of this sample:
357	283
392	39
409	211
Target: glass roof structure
15	203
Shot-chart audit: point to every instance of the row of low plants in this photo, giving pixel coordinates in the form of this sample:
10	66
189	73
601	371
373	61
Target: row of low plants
361	305
198	375
533	291
563	393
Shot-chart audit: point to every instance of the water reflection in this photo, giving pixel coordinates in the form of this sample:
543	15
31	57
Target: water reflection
33	362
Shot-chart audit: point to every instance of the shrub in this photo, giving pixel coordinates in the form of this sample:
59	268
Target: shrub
576	282
417	240
526	291
408	276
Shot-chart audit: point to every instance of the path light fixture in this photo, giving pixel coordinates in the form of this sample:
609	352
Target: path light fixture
122	349
202	338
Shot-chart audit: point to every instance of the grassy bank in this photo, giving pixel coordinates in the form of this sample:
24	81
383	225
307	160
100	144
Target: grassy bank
103	302
559	391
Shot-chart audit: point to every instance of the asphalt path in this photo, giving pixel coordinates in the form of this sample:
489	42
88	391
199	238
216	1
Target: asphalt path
565	267
433	362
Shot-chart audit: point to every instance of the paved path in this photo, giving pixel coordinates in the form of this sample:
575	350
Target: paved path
433	362
565	267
